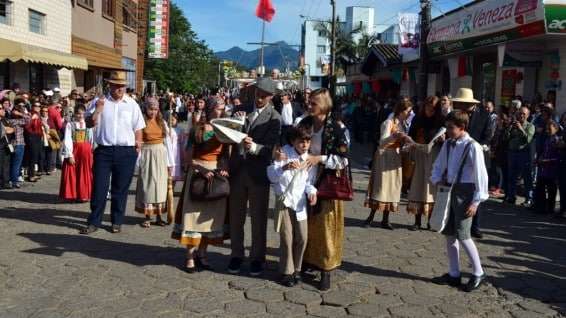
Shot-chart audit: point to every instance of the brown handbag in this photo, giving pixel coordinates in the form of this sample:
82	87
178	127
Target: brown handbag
203	189
335	185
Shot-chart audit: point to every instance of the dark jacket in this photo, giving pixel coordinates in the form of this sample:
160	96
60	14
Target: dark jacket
479	127
265	132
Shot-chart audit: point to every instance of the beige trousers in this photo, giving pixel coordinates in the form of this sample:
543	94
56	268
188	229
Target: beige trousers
293	242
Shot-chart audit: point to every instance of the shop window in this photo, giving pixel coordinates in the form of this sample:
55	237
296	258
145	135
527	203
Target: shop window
129	14
108	9
36	77
5	12
36	22
89	4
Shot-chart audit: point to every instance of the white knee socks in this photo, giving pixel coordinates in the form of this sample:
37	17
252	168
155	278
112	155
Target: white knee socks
474	256
453	251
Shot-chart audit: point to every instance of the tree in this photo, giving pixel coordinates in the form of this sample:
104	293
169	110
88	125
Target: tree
191	64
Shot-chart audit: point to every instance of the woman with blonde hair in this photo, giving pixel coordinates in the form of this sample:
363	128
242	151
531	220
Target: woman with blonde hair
384	189
154	166
329	153
201	223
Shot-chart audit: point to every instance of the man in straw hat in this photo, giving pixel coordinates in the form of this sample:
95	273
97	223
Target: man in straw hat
249	182
118	134
479	129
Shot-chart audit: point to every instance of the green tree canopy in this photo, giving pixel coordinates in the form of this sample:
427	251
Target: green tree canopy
191	64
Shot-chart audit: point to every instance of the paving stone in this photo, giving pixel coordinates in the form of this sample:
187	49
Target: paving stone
368	310
385	301
303	297
410	311
285	309
264	295
246	307
537	307
327	311
203	305
340	298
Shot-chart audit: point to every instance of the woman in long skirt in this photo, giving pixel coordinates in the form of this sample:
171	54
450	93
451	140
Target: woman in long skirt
329	152
384	189
423	129
76	176
199	224
154	167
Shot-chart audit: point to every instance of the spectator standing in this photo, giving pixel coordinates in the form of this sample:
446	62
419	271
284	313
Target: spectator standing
520	135
289	112
35	134
548	163
18	121
118	134
5	153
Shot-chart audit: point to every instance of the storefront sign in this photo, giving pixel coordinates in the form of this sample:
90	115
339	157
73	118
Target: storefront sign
555	14
409	36
485	23
158	32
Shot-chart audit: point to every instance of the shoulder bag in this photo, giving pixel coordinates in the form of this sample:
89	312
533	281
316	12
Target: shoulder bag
443	198
203	189
335	185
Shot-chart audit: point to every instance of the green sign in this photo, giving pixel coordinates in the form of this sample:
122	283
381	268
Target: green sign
555	15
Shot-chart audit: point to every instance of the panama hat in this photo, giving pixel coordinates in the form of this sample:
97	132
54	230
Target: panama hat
465	95
117	78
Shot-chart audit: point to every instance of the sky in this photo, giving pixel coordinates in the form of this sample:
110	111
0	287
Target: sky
227	23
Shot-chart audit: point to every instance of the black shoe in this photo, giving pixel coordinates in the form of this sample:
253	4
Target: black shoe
256	268
202	266
474	283
369	220
287	281
88	229
415	227
324	281
527	204
115	229
235	265
446	279
477	234
387	226
297	277
428	227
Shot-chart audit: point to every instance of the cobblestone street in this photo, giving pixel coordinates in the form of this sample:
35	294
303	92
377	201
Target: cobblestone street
48	270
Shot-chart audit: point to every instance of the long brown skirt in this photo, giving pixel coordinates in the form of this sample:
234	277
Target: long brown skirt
326	236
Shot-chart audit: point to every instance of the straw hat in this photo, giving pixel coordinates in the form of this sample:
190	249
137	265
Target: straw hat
117	78
465	95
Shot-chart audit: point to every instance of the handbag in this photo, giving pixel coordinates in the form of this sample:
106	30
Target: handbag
335	185
203	189
443	198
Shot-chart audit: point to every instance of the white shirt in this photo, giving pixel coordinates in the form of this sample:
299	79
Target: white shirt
296	197
287	115
474	170
118	122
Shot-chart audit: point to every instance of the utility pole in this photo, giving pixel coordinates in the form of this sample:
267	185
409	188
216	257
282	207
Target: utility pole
261	70
423	60
332	70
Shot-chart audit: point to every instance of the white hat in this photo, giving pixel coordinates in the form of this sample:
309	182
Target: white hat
228	130
57	90
516	103
465	95
48	92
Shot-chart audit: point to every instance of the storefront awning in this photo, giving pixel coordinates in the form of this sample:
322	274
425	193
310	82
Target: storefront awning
381	56
16	51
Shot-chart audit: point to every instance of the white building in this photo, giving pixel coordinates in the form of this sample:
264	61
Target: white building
35	45
360	18
315	42
390	35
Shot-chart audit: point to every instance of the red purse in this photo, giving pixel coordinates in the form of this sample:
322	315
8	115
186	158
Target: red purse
335	185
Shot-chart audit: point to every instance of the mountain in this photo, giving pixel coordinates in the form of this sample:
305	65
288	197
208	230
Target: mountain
275	56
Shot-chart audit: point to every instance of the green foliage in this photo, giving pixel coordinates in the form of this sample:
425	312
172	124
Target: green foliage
191	64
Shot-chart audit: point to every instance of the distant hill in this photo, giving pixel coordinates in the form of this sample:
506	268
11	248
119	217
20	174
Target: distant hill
275	56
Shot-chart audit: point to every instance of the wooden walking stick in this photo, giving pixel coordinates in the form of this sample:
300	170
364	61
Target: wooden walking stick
170	193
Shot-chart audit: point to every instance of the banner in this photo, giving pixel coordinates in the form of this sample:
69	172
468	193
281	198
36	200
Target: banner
555	14
483	23
409	36
158	31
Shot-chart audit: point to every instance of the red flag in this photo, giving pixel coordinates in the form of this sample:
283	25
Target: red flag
265	10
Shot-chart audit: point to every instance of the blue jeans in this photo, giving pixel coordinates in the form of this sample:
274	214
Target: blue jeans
118	162
520	165
16	163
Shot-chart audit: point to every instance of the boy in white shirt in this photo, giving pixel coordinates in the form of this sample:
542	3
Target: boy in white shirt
292	180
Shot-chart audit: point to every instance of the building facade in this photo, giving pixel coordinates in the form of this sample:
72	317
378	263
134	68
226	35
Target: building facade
362	19
315	51
35	45
105	32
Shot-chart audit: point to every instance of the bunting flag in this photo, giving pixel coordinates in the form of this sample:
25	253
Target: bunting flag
464	66
265	10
